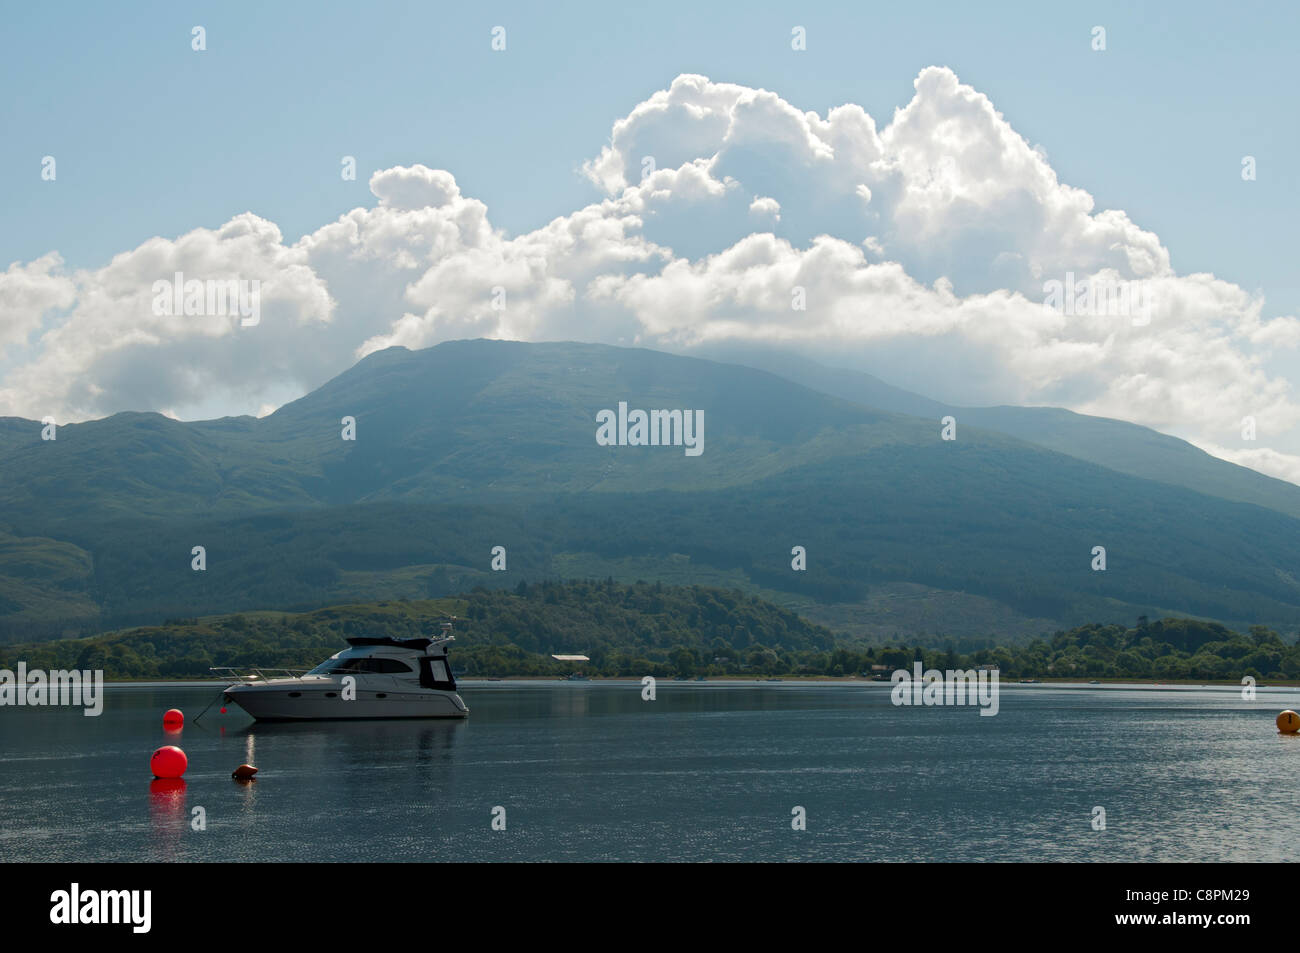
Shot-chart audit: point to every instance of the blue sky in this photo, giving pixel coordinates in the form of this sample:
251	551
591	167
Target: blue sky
941	222
152	139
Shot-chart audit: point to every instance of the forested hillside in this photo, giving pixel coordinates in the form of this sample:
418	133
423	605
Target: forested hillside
652	629
474	445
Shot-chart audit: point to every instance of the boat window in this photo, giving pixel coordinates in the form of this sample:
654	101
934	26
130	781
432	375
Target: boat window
343	666
388	666
434	674
333	665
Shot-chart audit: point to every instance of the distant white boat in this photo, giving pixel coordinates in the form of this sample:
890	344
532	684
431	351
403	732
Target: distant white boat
391	678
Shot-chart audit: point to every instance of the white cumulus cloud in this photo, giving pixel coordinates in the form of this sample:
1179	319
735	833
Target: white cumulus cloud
920	249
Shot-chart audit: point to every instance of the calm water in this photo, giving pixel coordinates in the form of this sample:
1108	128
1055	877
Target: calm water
589	771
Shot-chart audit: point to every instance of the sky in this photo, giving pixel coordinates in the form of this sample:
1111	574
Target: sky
919	171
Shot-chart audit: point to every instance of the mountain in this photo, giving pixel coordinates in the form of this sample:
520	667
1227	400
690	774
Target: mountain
1116	444
473	445
467	420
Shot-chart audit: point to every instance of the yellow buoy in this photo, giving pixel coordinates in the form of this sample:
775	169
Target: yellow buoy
1288	722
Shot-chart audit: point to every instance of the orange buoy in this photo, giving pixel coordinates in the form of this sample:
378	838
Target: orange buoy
244	772
168	761
1288	722
173	718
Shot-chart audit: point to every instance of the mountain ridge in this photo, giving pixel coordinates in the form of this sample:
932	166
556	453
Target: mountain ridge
470	445
1117	444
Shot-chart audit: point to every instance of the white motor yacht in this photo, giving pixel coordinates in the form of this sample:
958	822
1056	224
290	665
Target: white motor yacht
377	677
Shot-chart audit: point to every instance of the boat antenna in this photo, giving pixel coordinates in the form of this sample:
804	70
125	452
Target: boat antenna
444	627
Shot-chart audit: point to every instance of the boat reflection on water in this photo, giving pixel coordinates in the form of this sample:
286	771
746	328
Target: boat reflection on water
348	744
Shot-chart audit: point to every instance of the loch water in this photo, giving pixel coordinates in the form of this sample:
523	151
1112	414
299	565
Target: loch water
707	771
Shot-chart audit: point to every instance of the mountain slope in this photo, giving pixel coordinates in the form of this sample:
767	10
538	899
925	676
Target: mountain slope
478	444
465	420
1116	444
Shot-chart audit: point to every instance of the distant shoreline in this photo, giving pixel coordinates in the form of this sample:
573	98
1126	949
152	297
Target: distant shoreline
801	679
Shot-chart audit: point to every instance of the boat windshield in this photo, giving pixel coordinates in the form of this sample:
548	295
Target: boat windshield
358	664
336	665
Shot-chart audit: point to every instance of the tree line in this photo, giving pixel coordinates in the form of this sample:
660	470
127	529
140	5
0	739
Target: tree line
638	629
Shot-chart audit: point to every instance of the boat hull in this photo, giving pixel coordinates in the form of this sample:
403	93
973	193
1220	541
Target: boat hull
275	703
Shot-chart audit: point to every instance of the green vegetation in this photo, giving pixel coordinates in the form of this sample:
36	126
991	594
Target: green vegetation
1114	444
965	518
1165	650
650	629
475	444
45	587
624	629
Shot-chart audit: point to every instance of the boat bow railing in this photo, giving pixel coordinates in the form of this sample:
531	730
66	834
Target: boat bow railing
256	673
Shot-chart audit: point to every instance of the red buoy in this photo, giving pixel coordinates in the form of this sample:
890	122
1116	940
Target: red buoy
168	762
165	790
223	709
173	718
244	772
